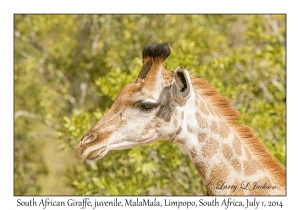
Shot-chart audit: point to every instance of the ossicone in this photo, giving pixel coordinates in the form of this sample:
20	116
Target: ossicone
153	54
156	51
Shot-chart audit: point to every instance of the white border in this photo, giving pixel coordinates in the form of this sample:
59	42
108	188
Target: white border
8	8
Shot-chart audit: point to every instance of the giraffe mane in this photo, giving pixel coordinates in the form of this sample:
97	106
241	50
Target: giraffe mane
256	148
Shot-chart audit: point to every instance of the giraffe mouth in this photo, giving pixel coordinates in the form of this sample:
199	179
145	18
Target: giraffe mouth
97	154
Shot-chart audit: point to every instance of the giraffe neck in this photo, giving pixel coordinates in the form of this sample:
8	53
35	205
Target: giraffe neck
223	161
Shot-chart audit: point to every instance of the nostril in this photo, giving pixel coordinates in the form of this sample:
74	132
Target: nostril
93	136
89	137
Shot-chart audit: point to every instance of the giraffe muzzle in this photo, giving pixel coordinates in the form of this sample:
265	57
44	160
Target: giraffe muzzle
93	146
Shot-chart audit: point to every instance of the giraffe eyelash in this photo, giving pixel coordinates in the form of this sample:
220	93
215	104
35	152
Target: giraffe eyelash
147	106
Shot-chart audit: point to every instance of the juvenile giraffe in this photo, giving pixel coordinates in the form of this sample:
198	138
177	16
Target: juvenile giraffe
163	104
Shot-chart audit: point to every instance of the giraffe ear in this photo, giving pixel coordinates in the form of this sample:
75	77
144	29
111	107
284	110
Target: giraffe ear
181	85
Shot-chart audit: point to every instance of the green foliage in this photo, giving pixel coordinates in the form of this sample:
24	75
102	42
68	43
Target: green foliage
70	68
147	167
27	149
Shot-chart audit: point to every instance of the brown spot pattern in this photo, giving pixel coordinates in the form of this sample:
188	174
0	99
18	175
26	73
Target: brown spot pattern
182	115
209	191
202	137
201	121
194	153
250	167
149	127
179	131
237	146
222	129
210	148
259	192
180	141
261	187
219	173
175	122
239	190
236	165
214	127
267	182
145	131
201	168
203	108
227	151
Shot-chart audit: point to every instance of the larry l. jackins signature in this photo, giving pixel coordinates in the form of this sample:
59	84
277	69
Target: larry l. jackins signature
221	185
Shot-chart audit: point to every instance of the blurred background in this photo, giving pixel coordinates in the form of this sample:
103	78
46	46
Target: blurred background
68	69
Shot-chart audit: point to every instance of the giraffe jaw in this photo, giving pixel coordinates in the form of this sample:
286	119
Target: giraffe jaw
97	154
92	154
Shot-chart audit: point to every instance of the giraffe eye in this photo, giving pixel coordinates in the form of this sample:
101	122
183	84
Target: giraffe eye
147	106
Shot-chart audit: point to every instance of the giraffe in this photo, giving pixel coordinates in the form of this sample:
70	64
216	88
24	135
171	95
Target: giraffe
189	112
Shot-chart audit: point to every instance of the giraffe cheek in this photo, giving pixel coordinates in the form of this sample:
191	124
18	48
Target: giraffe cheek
146	131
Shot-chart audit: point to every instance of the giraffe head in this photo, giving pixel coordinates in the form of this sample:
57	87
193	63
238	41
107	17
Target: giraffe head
145	111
